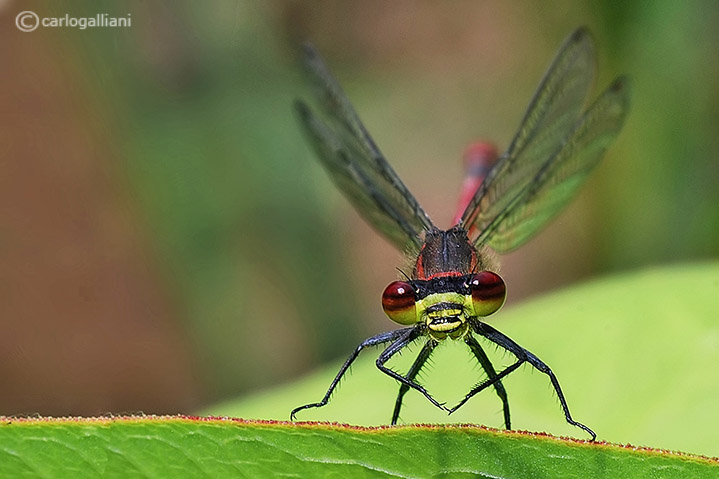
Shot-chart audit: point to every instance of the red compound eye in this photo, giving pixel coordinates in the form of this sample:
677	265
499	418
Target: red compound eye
488	292
399	304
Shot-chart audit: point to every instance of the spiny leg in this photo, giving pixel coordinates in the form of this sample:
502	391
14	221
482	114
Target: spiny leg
485	384
373	341
393	349
411	374
522	355
491	373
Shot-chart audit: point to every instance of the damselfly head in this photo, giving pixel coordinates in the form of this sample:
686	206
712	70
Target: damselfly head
444	303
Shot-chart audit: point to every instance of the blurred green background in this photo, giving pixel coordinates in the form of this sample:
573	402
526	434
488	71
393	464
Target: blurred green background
167	240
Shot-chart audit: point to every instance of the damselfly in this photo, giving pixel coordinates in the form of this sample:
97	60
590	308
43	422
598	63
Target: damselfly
507	200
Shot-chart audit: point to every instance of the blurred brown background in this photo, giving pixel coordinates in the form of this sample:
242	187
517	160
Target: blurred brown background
167	240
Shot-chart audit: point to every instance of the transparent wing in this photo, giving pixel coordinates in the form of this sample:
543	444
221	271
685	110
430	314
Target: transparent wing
560	178
355	164
548	123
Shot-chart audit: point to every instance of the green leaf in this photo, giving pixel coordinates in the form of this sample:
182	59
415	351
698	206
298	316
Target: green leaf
178	447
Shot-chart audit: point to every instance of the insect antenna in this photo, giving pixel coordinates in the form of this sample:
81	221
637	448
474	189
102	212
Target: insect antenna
404	274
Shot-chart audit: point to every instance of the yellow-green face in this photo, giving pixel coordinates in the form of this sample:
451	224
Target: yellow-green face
445	314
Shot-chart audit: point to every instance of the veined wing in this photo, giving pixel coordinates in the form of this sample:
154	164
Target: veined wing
548	123
355	164
560	178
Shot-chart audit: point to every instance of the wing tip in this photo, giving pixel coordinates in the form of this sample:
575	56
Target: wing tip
308	49
621	87
581	34
301	108
621	84
581	31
